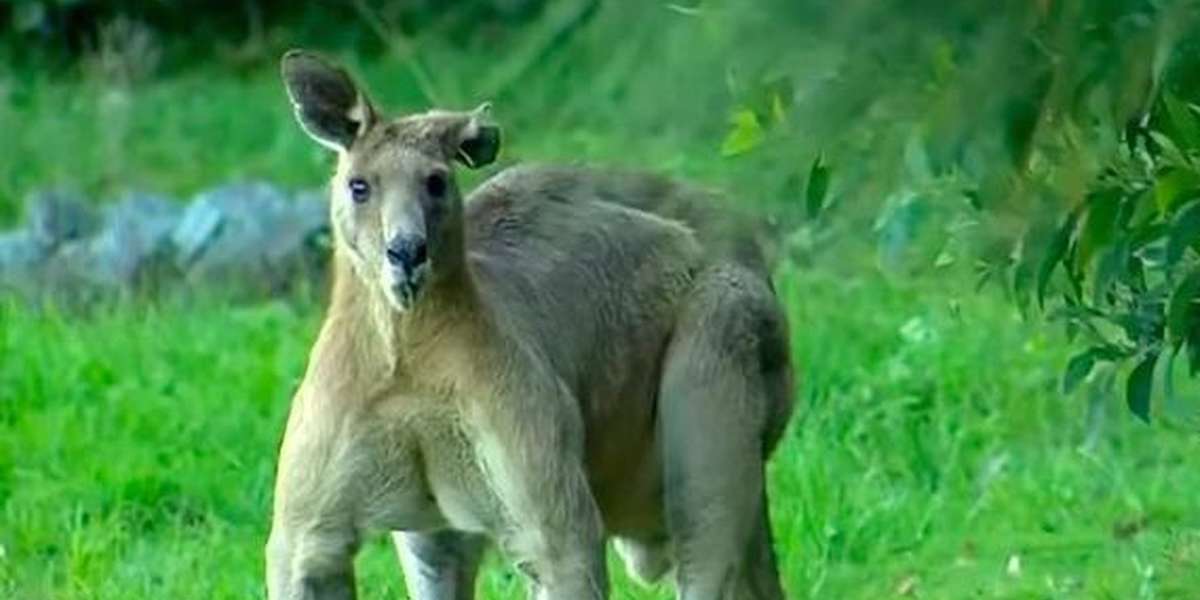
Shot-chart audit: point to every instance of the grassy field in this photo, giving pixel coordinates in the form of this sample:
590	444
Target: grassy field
933	454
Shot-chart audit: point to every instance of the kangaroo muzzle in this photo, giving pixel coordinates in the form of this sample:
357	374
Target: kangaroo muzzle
407	268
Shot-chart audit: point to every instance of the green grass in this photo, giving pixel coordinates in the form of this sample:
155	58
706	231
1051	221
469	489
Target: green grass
932	453
931	447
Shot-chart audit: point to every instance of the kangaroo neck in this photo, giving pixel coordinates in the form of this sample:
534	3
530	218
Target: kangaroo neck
448	312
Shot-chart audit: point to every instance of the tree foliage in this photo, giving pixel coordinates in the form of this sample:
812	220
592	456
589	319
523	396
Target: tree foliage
1115	152
1058	140
1125	258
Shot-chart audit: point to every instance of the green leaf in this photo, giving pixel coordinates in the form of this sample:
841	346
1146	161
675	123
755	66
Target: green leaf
1170	152
1183	307
1075	278
818	186
1187	129
1078	368
1142	210
1129	205
1185	230
1081	365
778	110
745	135
770	100
944	259
1172	187
1147	234
1168	379
1109	268
1022	280
1099	222
973	199
1139	386
1021	119
1056	249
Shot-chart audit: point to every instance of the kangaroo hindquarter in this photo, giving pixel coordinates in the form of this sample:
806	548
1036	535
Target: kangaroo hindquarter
726	396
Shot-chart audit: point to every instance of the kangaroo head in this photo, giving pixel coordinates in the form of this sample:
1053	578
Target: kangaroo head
395	205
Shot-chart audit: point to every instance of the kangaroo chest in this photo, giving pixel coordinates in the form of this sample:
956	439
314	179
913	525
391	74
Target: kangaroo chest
447	486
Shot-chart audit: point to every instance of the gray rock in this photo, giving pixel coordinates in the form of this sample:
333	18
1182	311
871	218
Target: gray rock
244	237
312	208
131	246
247	233
304	229
59	215
136	238
72	276
199	226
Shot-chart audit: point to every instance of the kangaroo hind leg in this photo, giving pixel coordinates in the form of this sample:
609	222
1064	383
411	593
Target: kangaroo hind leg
726	385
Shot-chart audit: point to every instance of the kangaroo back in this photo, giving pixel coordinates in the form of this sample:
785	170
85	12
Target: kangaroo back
726	233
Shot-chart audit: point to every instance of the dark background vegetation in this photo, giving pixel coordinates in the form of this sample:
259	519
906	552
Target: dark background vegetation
988	215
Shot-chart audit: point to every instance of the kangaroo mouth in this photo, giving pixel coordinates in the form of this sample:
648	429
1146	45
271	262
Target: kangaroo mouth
405	288
402	296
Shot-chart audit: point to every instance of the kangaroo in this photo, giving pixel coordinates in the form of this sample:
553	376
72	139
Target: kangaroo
565	356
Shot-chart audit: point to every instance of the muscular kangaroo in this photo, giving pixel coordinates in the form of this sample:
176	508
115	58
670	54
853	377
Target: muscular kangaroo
566	356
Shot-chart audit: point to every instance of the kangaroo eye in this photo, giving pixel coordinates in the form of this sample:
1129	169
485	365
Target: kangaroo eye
435	185
360	192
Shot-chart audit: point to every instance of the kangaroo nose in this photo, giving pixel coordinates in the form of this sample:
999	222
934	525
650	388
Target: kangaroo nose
407	253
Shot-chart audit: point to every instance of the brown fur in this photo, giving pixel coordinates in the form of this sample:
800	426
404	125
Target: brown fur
591	354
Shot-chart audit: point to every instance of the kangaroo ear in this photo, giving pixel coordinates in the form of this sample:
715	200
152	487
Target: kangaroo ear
329	106
479	140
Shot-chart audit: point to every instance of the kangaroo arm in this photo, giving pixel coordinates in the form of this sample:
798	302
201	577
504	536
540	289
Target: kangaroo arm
531	440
